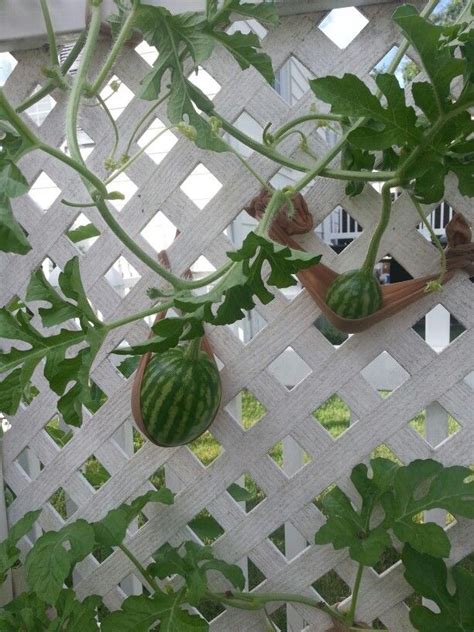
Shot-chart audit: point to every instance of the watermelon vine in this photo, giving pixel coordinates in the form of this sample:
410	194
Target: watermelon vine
411	142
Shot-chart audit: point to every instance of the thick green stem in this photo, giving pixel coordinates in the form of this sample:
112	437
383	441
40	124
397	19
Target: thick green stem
273	208
371	256
79	83
355	594
162	307
303	119
51	85
257	601
135	248
115	51
53	49
142	570
193	349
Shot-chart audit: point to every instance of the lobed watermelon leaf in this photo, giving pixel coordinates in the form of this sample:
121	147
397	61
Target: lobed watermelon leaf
428	576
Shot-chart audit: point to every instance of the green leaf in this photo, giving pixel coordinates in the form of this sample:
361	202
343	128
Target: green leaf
240	494
139	614
12	235
435	51
205	527
9	553
76	616
244	49
68	375
265	12
428	577
49	562
12	181
87	231
349	528
111	530
236	290
425	98
424	485
24	613
350	96
39	289
345	527
192	562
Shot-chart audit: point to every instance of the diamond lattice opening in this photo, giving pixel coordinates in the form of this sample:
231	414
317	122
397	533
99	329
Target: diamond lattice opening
206	527
44	191
338	229
382	451
117	100
206	448
125	365
59	433
98	398
157	142
439	328
248	327
332	588
387	560
160	232
406	71
287	177
83	233
86	144
334	415
7	66
9	494
246	409
331	333
289	456
385	374
378	625
131	585
50	270
95	473
126	187
201	186
255	575
247	492
288	541
435	425
122	276
38	112
158	478
247	124
239	228
438	219
63	504
289	369
29	463
291	80
205	82
147	52
248	26
342	26
210	610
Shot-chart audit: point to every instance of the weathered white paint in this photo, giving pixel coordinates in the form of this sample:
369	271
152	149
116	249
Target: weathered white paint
21	23
289	322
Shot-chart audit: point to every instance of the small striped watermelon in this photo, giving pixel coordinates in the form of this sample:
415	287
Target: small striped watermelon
180	395
355	294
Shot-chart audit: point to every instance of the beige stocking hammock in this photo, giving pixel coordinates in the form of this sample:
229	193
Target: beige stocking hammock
316	280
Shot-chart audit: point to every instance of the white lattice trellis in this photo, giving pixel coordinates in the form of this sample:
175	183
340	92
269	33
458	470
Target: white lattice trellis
445	378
